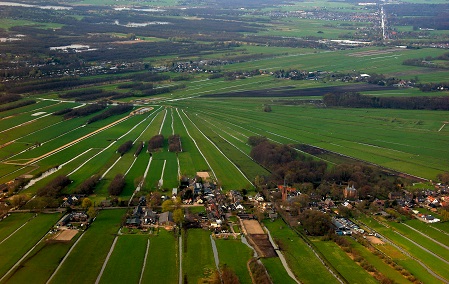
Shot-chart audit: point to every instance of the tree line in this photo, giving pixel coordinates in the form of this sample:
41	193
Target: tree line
17	105
69	113
357	100
115	110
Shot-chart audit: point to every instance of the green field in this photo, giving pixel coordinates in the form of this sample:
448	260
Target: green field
12	223
208	69
378	263
277	271
298	253
90	253
41	263
162	264
409	263
126	262
198	258
235	255
15	247
350	270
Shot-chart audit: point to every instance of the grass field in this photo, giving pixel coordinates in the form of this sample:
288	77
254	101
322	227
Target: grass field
12	223
350	270
12	249
40	264
162	262
298	253
126	262
89	254
198	260
277	271
410	264
234	254
309	125
378	263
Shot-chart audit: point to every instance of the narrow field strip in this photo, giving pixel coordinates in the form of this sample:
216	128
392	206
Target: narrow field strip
219	150
25	123
163	121
144	261
23	257
110	168
404	251
88	160
26	135
132	164
70	144
161	180
426	236
64	259
283	260
106	261
196	145
14	232
155	113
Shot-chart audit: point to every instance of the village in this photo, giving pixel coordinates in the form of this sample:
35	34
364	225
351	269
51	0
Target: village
236	212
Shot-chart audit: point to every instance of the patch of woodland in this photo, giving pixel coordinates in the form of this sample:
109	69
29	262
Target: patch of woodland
155	143
174	143
356	100
314	177
125	147
115	110
54	188
117	185
87	187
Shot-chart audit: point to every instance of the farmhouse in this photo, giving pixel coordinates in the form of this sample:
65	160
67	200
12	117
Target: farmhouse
166	218
80	218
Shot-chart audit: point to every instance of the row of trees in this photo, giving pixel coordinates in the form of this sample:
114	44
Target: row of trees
117	185
69	113
87	187
361	101
17	105
53	188
8	98
115	110
125	147
139	148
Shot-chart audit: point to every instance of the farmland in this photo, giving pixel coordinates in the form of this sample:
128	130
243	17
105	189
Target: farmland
23	240
296	252
82	80
198	258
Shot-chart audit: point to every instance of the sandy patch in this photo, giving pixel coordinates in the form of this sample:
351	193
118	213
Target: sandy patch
203	175
65	235
253	227
375	240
